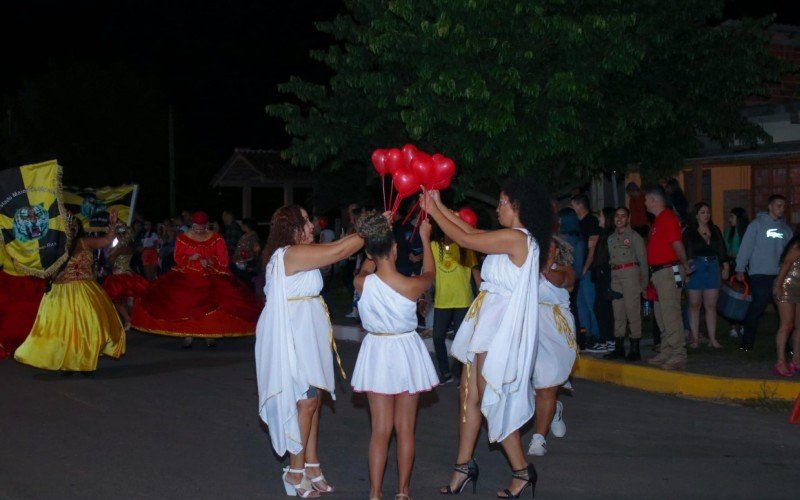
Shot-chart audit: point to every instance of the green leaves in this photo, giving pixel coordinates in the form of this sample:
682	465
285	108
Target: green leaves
563	90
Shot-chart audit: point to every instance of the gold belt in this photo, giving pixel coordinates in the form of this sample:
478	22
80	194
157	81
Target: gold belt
330	331
562	325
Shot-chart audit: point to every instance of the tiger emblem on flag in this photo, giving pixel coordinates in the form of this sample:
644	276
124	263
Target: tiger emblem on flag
31	223
92	206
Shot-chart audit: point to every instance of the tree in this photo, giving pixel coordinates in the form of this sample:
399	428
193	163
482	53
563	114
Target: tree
561	89
105	124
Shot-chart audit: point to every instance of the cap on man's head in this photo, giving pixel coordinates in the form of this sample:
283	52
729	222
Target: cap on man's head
200	218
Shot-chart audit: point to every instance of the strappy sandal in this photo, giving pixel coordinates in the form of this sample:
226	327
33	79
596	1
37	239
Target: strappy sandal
469	469
316	480
303	489
528	475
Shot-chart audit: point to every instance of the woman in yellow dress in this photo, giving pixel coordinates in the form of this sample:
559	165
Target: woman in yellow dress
76	322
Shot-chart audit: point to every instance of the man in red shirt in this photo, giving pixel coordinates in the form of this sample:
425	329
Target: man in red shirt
669	267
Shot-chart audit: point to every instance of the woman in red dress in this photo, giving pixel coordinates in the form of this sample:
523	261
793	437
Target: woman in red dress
199	297
19	302
123	283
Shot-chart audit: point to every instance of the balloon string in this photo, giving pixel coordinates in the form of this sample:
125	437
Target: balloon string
422	215
396	205
391	193
411	212
383	188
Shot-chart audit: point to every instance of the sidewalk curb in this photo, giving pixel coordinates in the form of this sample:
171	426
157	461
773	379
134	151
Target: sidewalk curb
638	376
684	383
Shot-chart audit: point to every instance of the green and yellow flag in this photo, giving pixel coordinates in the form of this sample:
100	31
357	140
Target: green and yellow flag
92	206
33	227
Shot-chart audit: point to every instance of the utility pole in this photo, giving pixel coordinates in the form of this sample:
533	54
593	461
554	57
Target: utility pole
173	209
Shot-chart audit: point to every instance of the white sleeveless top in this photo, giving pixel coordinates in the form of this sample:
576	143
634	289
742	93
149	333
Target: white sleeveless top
392	359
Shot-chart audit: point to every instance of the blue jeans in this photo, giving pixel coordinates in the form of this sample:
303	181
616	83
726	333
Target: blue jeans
586	296
761	291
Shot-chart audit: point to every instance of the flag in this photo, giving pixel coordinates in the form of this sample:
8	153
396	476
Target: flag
32	218
92	206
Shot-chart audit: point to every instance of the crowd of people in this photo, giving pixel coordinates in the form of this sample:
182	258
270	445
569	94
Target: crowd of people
638	260
522	301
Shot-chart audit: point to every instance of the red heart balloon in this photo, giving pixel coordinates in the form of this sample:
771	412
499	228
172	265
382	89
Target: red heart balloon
469	216
410	151
441	185
422	165
394	160
379	162
443	168
406	182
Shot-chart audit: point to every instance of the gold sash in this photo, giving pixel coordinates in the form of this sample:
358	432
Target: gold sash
330	332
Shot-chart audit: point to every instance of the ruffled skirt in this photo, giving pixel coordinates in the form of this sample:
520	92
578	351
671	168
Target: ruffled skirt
75	325
122	286
19	301
192	304
394	364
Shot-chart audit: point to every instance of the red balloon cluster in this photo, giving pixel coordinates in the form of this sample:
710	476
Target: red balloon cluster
411	168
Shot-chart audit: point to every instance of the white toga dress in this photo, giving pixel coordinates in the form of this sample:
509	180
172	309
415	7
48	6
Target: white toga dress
557	346
393	358
502	322
293	350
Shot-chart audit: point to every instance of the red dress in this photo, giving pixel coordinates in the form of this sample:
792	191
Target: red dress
19	302
124	283
196	301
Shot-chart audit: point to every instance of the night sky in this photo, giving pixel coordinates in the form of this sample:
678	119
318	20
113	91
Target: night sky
218	62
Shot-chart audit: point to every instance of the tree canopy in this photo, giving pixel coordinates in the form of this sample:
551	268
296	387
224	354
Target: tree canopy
560	89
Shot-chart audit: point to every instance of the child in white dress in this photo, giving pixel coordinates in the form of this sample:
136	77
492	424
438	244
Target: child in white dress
393	365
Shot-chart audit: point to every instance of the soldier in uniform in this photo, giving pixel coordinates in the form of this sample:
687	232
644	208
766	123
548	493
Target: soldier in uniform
629	276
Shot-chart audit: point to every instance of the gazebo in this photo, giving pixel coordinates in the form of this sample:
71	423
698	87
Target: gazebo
260	168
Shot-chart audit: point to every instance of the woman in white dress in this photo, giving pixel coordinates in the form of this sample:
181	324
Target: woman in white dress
498	339
393	365
557	345
294	339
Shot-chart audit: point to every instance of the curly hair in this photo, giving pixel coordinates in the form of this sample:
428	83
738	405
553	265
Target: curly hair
532	202
286	223
377	233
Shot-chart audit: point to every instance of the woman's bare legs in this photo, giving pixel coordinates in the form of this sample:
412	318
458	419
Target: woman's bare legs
122	309
381	409
695	302
710	298
306	408
516	459
786	311
311	450
545	408
796	337
405	418
469	416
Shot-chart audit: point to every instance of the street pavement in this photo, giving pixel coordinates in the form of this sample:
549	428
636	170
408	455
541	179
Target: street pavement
168	423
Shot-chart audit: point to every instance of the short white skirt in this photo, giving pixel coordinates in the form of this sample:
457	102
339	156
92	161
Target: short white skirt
557	349
476	333
394	364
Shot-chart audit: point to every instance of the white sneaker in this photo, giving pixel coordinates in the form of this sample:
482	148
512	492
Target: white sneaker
734	333
611	345
538	446
557	426
353	314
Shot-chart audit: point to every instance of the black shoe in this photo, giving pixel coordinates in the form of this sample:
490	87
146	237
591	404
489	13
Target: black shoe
634	355
529	476
470	469
619	350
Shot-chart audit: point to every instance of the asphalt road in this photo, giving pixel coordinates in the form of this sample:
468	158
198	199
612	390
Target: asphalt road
169	423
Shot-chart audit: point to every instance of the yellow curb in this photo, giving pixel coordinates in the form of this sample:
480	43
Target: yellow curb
688	384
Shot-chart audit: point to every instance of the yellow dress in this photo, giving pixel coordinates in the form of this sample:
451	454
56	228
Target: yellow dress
76	322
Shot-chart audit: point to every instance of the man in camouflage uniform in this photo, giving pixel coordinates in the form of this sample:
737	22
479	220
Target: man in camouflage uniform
629	274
